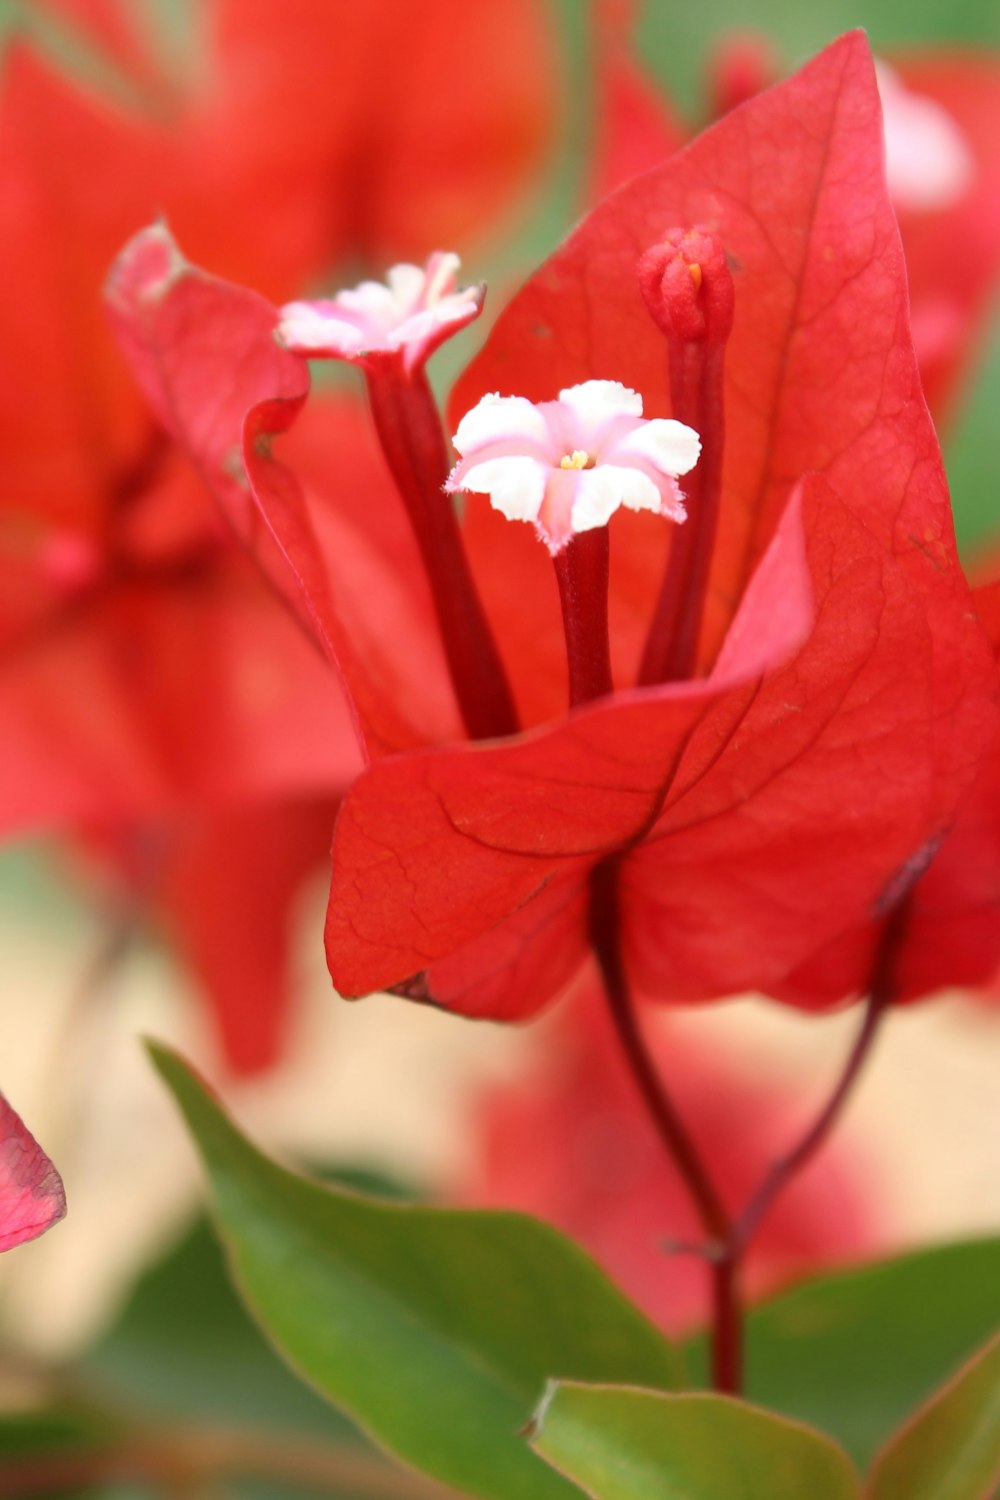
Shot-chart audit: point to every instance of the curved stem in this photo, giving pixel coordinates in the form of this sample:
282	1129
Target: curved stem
728	1240
787	1166
605	930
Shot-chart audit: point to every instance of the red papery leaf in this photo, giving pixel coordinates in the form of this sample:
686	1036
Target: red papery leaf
151	697
31	1191
392	129
951	934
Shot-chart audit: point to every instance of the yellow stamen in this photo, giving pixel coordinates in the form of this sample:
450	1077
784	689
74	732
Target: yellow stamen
578	459
694	270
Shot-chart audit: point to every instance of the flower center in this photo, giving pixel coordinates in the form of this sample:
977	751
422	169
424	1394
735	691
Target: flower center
578	459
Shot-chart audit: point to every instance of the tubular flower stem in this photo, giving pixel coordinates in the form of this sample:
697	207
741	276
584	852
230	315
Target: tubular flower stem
688	290
582	575
389	330
409	428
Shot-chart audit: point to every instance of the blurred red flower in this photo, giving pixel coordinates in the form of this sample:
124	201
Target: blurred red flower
156	700
572	1143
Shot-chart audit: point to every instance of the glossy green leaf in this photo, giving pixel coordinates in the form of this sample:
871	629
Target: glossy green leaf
437	1330
855	1353
633	1445
951	1449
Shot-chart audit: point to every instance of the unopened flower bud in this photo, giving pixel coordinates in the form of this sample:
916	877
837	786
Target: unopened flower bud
688	286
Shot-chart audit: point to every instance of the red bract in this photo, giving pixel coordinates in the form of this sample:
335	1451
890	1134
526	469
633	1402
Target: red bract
572	1143
949	929
749	811
377	130
31	1191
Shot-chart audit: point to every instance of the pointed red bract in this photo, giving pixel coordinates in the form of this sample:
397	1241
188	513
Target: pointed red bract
31	1191
950	935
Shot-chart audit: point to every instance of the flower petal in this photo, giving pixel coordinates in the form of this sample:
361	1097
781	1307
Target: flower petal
669	446
499	419
602	490
516	486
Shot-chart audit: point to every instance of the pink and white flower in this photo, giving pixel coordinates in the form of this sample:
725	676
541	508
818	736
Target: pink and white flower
567	465
408	315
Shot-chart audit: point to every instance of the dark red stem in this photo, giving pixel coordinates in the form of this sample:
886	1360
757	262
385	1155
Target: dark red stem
409	428
582	574
688	289
728	1240
727	1321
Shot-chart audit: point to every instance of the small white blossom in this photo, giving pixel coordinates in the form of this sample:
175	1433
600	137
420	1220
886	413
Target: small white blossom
567	465
409	314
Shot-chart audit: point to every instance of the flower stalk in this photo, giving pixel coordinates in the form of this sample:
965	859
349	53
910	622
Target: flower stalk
409	429
688	289
582	575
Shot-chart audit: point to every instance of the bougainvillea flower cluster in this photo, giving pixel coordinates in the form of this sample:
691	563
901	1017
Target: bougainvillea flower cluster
839	693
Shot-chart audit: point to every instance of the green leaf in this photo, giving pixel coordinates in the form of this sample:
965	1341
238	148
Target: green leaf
184	1349
856	1352
951	1449
437	1330
633	1445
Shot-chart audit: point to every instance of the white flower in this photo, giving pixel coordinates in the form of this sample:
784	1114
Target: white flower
928	162
410	313
567	465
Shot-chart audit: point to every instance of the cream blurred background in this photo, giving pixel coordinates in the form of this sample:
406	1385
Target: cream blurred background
389	1085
